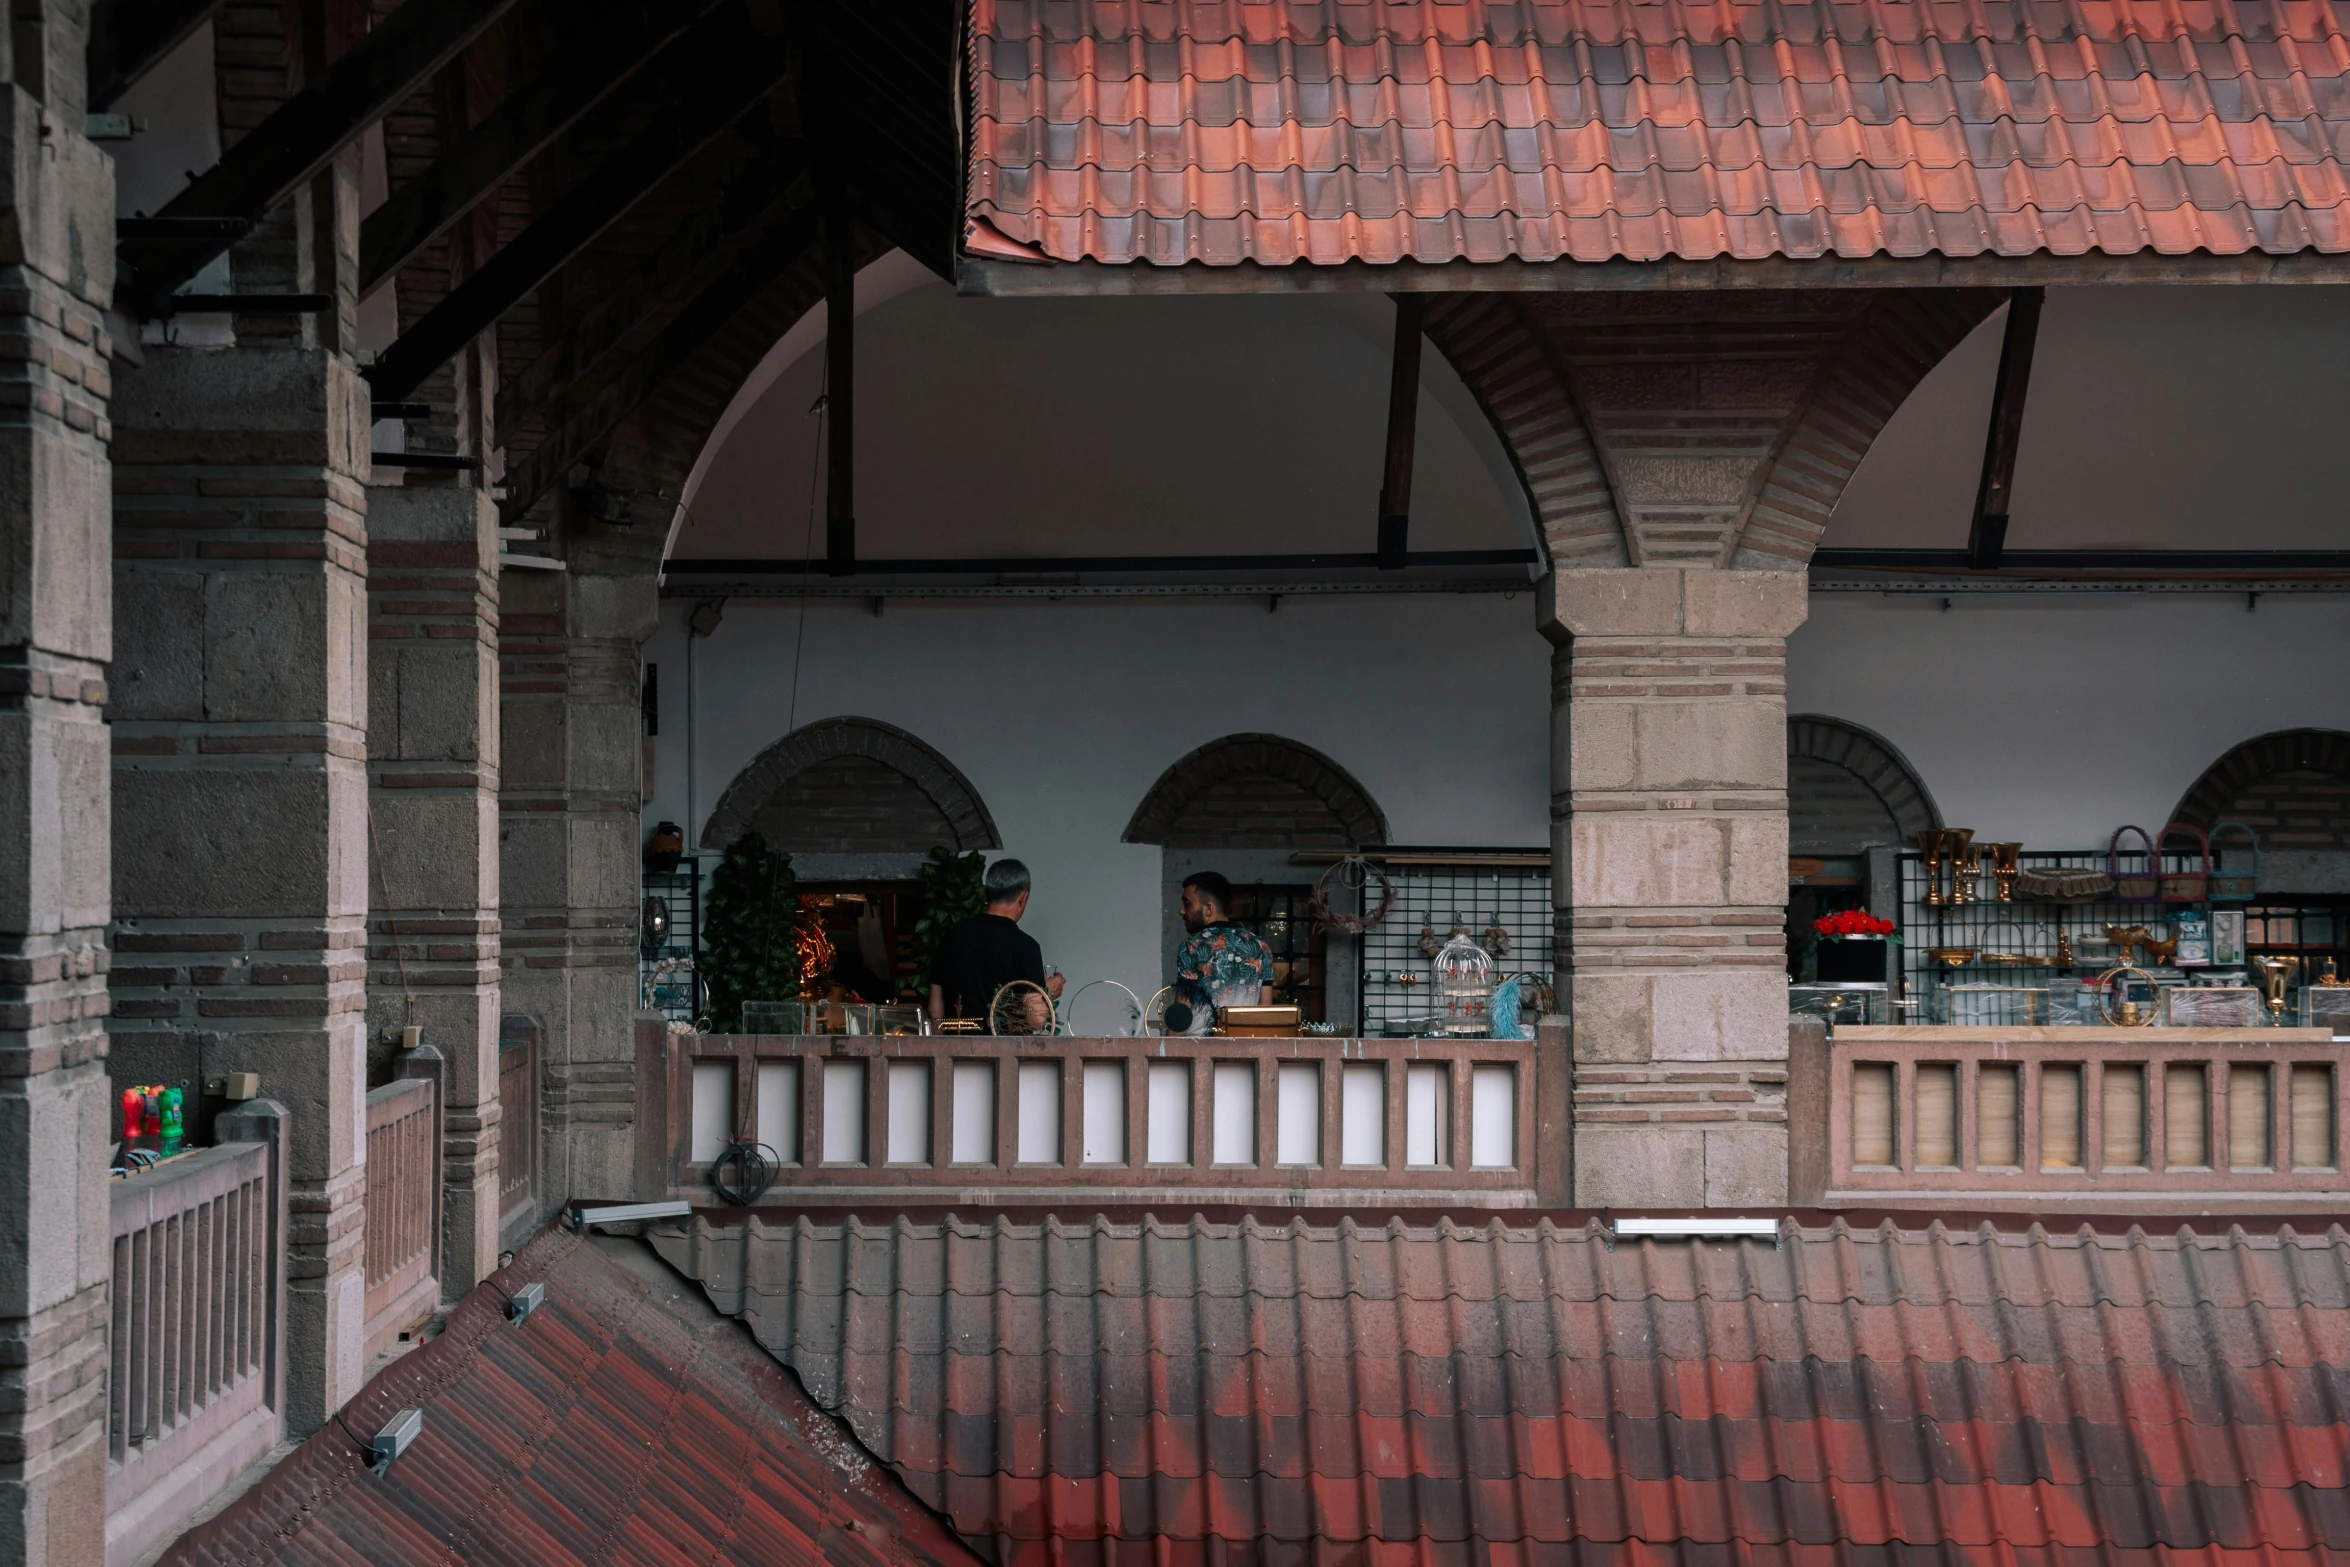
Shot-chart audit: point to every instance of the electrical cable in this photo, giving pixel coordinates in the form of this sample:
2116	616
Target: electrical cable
822	409
743	1172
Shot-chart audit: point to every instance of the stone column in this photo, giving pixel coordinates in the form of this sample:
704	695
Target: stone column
571	797
240	780
432	762
1669	834
56	624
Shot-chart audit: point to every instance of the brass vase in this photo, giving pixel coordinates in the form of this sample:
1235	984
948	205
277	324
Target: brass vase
1930	850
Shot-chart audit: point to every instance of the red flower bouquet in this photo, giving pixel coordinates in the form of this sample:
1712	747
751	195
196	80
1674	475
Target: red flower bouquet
1851	922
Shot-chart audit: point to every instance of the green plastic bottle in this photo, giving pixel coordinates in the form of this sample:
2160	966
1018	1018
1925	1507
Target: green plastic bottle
175	1132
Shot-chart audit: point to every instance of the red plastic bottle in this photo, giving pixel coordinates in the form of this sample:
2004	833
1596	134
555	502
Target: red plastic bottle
133	1113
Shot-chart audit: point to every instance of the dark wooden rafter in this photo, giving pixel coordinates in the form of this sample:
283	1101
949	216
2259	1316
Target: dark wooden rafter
1403	423
754	269
767	191
1987	538
720	71
399	55
129	38
599	46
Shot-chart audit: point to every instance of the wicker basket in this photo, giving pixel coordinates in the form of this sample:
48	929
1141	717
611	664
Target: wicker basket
2142	882
2064	884
2192	885
2239	885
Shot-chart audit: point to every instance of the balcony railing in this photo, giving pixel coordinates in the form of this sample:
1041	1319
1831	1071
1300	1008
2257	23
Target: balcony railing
1301	1121
196	1366
403	1203
2170	1120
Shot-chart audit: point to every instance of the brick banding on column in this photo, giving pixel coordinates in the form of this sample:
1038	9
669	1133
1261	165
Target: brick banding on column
1257	791
1849	789
1525	396
1904	335
2291	787
841	751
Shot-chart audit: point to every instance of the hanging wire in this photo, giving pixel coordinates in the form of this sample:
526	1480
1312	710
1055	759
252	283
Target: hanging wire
821	408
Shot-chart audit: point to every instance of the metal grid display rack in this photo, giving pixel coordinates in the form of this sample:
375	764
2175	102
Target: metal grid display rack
666	981
1437	892
2026	928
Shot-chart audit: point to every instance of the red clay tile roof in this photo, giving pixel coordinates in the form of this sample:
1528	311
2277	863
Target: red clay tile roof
1325	131
1414	1391
625	1422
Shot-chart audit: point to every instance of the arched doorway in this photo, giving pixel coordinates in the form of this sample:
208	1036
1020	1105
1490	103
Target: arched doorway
1244	807
852	787
858	804
2292	788
1853	802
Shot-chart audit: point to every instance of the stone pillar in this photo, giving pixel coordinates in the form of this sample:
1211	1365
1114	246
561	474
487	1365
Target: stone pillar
432	762
56	624
1669	834
240	781
571	798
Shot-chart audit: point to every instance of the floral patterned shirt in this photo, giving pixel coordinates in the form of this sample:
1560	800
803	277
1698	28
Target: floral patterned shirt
1230	962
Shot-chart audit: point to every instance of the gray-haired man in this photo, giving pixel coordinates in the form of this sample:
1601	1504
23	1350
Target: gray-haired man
988	951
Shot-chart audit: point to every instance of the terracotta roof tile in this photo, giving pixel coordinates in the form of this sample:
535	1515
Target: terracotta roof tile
1275	131
623	1422
1317	1391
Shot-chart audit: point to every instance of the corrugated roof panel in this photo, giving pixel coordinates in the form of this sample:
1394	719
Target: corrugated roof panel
1277	131
1070	1391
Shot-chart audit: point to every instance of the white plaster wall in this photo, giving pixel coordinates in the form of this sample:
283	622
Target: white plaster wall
2055	719
2158	418
1087	427
1063	717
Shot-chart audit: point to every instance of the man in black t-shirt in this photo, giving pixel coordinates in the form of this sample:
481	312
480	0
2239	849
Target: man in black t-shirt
988	951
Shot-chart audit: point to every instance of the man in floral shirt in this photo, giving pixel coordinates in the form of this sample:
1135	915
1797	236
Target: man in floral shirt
1225	964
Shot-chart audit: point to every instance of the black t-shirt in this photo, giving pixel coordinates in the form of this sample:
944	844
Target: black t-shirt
980	957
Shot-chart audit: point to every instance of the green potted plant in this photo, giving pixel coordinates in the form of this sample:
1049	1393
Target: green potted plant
748	947
954	888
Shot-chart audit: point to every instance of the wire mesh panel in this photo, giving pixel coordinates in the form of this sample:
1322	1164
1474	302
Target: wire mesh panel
2024	943
1503	908
665	947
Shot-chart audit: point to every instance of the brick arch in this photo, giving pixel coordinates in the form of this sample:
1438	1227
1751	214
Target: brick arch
1905	334
1257	791
890	761
1849	789
1490	345
2292	787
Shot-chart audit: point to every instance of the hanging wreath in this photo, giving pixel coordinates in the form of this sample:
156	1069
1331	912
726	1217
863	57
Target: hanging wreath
1356	875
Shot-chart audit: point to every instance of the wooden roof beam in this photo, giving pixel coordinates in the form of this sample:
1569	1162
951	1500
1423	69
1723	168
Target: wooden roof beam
768	189
399	55
729	63
129	38
599	48
1987	539
756	267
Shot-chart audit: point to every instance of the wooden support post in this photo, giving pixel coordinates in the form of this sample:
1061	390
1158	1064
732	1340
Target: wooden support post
1403	410
1988	538
840	369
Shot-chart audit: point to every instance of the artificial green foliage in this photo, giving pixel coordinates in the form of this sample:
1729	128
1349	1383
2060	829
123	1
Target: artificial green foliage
953	889
748	953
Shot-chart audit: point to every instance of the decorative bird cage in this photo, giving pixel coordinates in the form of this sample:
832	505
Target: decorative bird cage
1464	988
